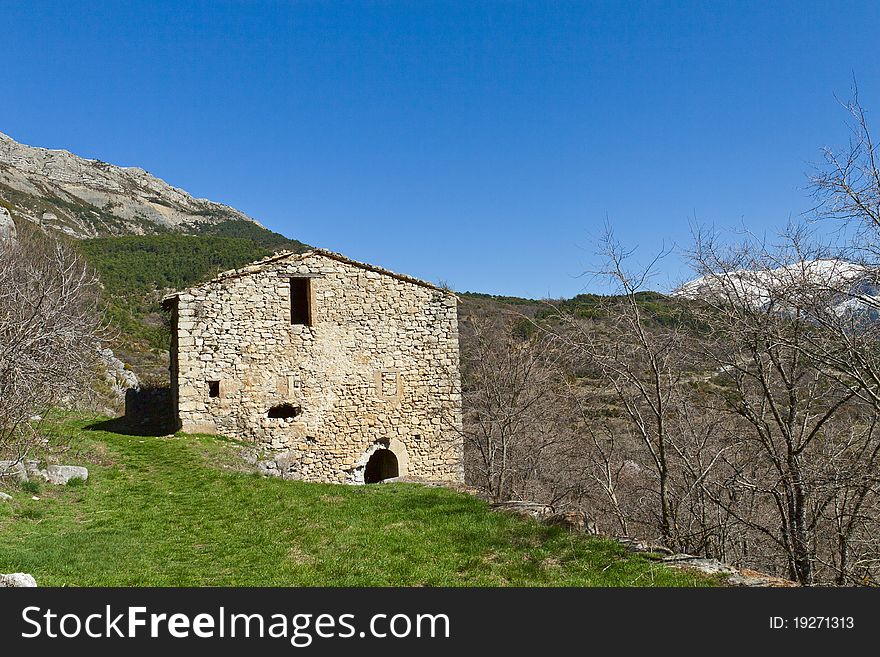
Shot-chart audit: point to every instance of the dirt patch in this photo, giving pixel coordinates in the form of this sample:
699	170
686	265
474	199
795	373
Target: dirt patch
298	556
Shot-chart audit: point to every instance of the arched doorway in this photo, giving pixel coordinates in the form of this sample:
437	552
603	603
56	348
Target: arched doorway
382	465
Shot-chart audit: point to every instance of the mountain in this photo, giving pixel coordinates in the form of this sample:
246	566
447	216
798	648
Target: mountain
90	198
839	285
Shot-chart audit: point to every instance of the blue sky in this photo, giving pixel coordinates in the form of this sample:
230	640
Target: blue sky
479	143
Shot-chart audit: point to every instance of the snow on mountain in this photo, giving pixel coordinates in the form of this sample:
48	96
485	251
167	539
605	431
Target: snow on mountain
844	287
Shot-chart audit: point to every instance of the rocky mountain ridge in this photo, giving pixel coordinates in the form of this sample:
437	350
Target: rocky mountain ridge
89	198
838	285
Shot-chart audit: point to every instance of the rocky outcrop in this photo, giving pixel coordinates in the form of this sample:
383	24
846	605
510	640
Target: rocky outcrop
89	198
7	226
733	576
118	377
31	471
580	523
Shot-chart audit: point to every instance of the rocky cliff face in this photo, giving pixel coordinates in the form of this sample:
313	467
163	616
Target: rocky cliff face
89	198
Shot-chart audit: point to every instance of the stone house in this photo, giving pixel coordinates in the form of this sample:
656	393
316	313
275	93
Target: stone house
342	371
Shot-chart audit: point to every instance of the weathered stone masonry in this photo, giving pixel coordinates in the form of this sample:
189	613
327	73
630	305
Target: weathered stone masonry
326	362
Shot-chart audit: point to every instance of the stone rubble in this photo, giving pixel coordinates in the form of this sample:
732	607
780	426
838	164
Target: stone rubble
29	470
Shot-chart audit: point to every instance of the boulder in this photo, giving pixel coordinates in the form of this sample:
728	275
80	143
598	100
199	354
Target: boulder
4	497
17	580
34	473
15	469
61	474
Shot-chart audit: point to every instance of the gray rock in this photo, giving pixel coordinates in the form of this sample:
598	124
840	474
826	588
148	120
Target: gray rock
7	226
17	580
639	547
249	456
4	497
733	576
34	472
14	469
702	564
41	178
61	474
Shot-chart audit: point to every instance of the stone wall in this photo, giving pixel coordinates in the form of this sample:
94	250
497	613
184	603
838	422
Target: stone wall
377	368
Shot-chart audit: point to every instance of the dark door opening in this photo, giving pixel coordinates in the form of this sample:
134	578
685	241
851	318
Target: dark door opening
382	465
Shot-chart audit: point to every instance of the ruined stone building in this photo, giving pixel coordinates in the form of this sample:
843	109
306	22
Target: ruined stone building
344	371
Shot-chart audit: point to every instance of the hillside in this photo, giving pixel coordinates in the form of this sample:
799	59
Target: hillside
137	270
86	198
660	309
145	238
184	511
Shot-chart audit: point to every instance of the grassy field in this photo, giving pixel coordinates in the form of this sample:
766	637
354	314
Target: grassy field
180	511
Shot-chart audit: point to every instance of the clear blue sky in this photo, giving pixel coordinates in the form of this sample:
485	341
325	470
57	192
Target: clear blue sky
480	143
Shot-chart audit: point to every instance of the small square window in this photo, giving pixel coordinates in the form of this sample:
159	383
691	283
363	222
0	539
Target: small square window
213	388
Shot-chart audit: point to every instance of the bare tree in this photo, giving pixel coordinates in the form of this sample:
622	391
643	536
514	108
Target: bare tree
511	398
49	323
847	186
763	308
642	371
743	424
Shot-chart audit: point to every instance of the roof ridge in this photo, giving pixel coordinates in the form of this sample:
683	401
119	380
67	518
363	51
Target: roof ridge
257	265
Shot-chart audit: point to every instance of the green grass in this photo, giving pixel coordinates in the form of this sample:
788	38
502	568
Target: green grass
178	511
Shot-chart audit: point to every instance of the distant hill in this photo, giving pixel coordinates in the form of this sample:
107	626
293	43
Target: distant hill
86	198
660	308
838	285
